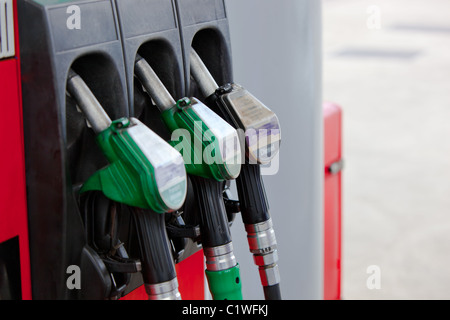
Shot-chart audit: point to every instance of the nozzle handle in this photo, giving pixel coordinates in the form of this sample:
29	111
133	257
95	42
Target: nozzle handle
258	223
214	227
201	74
153	85
222	270
158	266
88	103
252	195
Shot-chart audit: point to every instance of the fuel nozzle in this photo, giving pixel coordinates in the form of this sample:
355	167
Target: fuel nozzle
212	153
212	149
243	111
261	129
144	170
146	174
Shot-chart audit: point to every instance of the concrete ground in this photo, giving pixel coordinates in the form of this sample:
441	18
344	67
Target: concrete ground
387	62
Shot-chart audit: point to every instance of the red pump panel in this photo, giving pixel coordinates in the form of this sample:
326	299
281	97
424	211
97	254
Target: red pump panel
12	195
190	276
332	201
13	210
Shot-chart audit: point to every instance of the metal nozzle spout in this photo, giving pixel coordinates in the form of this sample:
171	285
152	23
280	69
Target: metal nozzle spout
88	103
153	84
201	74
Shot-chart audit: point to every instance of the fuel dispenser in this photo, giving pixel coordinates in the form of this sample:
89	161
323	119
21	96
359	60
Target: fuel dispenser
71	222
130	147
79	213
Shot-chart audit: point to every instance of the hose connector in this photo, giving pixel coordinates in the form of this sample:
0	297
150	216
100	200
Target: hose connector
261	237
163	291
222	273
263	244
220	258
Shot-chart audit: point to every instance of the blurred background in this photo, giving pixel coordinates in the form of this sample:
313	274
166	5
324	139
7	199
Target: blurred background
387	63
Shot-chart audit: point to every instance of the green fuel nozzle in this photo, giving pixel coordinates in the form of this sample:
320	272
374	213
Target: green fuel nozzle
210	146
144	170
146	174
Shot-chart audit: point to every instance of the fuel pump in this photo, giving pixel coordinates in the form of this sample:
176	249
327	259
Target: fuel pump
261	129
212	154
146	174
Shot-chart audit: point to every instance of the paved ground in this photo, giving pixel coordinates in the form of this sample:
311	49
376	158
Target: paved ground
387	62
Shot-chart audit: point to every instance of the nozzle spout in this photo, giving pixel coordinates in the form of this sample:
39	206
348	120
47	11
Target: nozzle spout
88	103
153	85
201	74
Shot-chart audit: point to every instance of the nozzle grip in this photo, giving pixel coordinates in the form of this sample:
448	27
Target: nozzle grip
214	226
252	195
225	284
156	256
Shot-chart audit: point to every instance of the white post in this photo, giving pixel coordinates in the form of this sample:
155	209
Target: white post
276	55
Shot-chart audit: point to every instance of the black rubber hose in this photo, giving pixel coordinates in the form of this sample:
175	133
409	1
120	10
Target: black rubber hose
272	292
